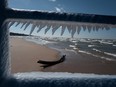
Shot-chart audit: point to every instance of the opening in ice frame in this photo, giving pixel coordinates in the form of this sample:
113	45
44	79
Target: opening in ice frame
85	50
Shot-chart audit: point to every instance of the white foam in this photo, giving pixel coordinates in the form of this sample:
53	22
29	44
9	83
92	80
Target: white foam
73	46
111	54
38	40
84	52
71	50
96	50
114	45
91	45
109	59
74	41
104	42
40	75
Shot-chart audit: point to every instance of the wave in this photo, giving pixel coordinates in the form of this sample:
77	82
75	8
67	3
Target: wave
91	45
38	40
96	50
102	57
74	41
71	50
114	45
105	42
73	46
110	54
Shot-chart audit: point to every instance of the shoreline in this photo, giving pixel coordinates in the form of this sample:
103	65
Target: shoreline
74	63
84	63
25	54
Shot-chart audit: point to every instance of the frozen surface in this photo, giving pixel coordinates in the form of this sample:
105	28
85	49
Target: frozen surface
59	75
50	79
40	79
73	27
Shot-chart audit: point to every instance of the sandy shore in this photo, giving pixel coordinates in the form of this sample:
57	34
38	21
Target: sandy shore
83	63
26	54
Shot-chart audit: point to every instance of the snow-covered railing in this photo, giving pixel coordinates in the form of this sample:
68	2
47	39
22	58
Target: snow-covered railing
72	22
52	20
72	27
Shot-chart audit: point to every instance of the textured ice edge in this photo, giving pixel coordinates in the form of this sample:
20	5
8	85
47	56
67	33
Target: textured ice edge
59	79
59	75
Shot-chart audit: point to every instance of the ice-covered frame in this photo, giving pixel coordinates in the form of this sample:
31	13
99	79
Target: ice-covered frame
52	20
40	19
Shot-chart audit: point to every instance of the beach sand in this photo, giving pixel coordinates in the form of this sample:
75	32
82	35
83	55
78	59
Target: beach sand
26	54
83	63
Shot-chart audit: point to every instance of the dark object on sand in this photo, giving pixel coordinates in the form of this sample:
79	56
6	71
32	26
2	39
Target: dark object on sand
51	63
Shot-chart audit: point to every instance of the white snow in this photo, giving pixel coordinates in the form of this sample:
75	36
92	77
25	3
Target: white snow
39	75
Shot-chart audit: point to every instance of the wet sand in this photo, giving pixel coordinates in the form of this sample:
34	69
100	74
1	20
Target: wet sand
26	54
83	63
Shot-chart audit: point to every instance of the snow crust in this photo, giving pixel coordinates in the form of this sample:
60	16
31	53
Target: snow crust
59	79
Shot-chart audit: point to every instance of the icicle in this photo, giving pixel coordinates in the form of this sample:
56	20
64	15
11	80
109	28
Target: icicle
32	29
97	29
23	24
47	29
34	26
73	32
39	29
54	28
89	30
84	27
42	25
89	27
27	25
36	23
62	30
107	27
113	26
102	27
69	28
53	31
93	28
78	29
11	23
17	24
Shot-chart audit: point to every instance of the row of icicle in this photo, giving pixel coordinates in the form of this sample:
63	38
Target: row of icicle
72	27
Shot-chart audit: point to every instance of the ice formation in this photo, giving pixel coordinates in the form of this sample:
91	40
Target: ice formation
72	27
73	22
53	20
